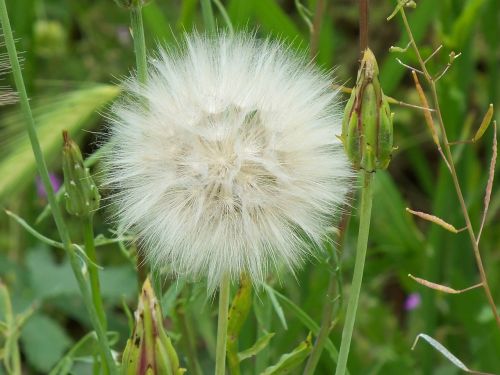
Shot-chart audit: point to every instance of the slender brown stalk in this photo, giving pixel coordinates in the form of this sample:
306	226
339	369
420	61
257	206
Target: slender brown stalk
363	25
316	27
448	158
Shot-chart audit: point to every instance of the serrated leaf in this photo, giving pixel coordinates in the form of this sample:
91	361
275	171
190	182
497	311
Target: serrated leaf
259	345
290	361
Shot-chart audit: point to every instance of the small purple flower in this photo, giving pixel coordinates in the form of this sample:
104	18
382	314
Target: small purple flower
40	189
412	301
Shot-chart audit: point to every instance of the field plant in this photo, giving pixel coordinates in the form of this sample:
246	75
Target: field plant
249	187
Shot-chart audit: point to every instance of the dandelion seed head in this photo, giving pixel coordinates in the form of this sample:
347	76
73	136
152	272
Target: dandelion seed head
227	160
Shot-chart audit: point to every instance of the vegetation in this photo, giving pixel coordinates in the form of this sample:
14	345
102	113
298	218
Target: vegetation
439	67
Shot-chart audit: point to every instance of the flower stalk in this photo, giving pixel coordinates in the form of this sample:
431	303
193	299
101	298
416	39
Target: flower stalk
367	135
220	356
352	305
42	170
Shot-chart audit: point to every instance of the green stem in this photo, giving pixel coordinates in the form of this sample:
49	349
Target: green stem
352	305
189	347
220	356
95	286
139	42
331	301
137	26
208	16
42	170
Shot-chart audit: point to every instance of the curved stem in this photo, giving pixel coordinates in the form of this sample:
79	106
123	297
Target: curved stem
352	306
95	287
220	356
42	170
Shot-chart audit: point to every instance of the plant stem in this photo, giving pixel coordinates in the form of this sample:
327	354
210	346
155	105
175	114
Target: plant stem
333	304
189	348
220	355
42	170
363	25
137	26
448	158
352	306
316	27
95	287
139	42
208	16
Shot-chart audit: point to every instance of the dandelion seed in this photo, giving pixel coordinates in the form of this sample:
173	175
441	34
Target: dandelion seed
233	165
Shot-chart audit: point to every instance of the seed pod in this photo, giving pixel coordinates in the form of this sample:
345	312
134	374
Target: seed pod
149	350
367	127
82	196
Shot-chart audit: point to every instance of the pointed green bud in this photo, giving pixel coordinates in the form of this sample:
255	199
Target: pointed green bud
367	127
81	195
149	350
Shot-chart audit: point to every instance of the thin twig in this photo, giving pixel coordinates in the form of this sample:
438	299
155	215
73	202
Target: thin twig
456	183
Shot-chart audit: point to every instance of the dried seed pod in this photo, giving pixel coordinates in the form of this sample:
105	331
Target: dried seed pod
367	129
82	197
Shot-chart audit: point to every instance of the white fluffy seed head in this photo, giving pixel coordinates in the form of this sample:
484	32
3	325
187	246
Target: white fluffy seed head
233	164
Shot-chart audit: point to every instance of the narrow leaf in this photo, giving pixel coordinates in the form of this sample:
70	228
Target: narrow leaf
445	352
276	305
309	323
259	345
292	360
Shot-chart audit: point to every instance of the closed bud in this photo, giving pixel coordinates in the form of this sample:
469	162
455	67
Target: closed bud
81	195
367	129
149	350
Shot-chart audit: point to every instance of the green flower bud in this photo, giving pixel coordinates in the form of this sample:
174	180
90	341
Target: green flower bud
82	196
367	129
149	350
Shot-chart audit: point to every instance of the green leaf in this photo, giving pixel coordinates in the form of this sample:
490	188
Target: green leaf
259	345
308	322
446	353
290	361
462	28
276	305
44	342
118	282
49	279
71	111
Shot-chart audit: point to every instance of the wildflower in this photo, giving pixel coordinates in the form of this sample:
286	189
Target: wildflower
227	160
40	189
412	301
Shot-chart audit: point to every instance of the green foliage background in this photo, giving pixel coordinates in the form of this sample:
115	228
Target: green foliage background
75	53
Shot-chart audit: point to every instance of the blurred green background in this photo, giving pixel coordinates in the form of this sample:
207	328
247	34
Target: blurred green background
74	55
